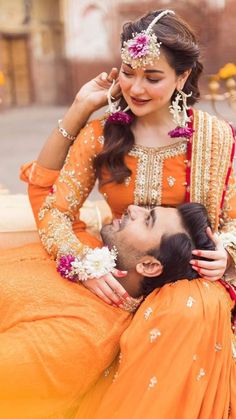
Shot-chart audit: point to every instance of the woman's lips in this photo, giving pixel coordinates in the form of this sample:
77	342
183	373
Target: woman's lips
139	102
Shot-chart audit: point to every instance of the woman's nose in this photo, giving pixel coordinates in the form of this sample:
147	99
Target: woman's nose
137	87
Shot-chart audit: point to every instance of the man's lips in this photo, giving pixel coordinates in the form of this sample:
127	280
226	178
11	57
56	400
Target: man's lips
119	223
116	224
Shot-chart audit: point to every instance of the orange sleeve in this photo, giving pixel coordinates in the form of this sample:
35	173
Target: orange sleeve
40	181
61	207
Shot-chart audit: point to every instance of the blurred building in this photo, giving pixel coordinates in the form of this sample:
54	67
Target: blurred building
49	48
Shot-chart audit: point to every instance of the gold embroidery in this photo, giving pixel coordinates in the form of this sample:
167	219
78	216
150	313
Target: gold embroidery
211	149
171	181
190	302
201	374
148	184
72	187
154	334
201	153
101	139
152	382
127	181
218	347
148	313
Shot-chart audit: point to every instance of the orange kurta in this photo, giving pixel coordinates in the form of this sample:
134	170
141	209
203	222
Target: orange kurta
56	337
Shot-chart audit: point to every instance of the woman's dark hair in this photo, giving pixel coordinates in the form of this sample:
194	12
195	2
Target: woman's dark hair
180	47
175	251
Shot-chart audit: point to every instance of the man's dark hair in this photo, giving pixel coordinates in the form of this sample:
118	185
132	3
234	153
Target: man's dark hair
175	251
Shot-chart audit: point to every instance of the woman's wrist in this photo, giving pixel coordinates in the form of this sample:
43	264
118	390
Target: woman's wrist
95	263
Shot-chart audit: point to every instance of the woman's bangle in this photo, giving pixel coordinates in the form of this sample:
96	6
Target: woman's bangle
94	264
64	132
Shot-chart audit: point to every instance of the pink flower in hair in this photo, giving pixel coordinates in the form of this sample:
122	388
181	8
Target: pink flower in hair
139	46
185	132
120	118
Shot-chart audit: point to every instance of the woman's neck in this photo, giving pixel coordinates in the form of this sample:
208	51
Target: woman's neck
152	130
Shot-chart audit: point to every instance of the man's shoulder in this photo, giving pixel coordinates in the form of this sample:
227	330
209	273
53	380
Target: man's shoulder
189	299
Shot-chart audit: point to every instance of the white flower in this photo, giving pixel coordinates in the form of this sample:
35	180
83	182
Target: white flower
99	262
95	263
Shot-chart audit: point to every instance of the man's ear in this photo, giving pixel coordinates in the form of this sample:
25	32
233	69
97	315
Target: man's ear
149	266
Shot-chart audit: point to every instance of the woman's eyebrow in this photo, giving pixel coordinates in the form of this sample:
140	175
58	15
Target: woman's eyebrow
153	71
147	70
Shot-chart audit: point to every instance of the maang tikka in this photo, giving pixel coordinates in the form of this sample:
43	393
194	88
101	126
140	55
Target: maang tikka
141	50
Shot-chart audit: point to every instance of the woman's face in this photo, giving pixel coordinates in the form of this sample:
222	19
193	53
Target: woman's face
149	90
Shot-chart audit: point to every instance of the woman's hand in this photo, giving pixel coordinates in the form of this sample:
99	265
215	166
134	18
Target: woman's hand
214	269
94	93
108	288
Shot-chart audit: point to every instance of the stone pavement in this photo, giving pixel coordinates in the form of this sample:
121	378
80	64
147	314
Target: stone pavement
24	130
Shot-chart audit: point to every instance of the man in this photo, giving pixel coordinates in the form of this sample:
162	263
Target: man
177	357
155	246
56	337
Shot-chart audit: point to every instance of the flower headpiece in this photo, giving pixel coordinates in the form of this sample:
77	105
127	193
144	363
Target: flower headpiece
144	47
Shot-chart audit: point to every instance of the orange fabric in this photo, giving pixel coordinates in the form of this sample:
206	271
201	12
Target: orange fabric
56	337
40	181
176	359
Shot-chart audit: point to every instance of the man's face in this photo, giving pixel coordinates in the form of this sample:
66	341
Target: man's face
140	230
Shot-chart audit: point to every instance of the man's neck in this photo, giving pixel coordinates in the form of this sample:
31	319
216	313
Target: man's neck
132	284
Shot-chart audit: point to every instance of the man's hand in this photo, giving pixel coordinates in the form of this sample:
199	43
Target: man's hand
108	288
94	93
215	269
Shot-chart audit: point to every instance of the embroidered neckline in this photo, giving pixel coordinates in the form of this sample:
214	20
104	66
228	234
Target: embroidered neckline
145	149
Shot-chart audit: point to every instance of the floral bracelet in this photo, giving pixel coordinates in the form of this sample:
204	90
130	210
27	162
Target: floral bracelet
94	264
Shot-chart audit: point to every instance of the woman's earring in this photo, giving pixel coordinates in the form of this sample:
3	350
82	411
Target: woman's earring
117	116
179	110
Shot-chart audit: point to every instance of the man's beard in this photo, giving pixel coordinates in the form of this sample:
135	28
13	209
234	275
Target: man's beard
107	236
127	256
109	239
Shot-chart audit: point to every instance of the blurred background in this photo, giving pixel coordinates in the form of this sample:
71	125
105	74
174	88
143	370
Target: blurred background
49	48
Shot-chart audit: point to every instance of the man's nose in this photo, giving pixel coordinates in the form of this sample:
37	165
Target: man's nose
135	211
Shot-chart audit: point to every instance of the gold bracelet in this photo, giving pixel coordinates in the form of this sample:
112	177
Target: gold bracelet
64	132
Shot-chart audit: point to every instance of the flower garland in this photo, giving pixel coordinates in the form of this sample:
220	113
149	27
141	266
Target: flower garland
94	264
